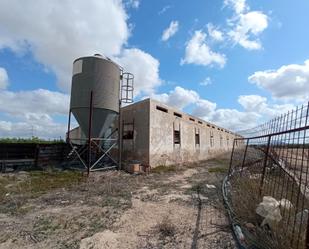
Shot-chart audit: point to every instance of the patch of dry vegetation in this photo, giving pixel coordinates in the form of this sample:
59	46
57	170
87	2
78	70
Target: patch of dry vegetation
245	197
218	170
61	209
17	188
164	169
166	228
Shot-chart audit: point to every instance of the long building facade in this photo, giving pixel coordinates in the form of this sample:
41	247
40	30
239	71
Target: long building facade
156	134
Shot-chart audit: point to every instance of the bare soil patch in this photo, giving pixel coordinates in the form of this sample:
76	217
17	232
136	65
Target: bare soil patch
172	208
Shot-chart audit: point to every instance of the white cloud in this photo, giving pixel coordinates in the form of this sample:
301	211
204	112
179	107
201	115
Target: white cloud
234	119
5	126
252	102
179	97
38	101
214	33
289	82
207	81
57	32
246	25
170	31
133	3
207	110
198	52
34	112
204	108
4	79
145	69
256	108
164	9
239	6
259	104
37	125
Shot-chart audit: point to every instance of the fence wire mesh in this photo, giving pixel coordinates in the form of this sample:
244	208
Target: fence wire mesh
272	160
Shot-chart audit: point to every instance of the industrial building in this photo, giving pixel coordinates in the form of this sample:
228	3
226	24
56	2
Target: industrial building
146	132
156	134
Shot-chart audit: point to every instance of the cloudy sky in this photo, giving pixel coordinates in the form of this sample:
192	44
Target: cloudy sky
236	63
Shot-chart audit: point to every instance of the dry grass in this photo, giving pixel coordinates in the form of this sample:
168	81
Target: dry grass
218	170
36	183
17	189
60	209
245	199
166	228
164	169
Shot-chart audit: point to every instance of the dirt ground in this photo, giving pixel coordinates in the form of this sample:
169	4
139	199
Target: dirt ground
175	207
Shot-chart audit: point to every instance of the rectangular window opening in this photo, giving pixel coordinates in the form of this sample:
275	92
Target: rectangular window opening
200	122
177	115
192	119
176	137
197	139
162	109
128	132
211	139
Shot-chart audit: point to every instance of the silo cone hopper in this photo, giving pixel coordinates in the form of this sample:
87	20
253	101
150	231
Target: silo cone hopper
101	121
95	104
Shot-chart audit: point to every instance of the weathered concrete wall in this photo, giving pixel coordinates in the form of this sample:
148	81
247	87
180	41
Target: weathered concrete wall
77	136
136	117
148	135
163	151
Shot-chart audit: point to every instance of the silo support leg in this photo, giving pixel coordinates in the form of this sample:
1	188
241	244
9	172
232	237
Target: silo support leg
101	157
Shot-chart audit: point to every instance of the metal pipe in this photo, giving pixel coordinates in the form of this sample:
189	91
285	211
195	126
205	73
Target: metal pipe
264	165
105	153
119	137
280	133
69	126
89	133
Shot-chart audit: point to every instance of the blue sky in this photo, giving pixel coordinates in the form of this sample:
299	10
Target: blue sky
236	63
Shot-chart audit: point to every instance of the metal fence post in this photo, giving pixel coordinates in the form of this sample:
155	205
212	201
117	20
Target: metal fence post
231	160
265	164
120	134
244	159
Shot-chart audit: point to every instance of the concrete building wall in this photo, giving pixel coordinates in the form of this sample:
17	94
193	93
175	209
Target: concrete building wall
213	140
77	136
135	145
149	134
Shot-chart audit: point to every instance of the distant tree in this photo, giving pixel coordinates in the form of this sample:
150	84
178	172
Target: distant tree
33	139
